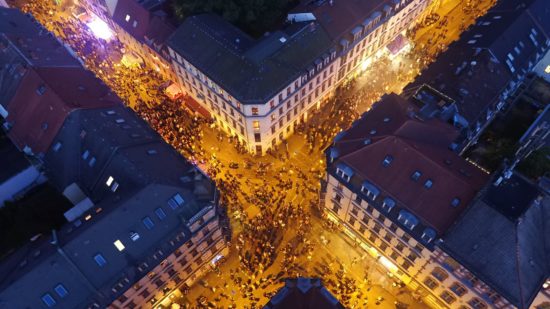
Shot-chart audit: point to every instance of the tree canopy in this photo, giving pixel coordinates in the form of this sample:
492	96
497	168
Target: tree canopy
252	16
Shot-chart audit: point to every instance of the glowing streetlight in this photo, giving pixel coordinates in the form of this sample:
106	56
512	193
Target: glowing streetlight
100	29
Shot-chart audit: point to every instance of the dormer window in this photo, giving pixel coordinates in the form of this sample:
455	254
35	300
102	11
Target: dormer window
388	204
345	172
387	161
370	190
407	219
428	235
416	175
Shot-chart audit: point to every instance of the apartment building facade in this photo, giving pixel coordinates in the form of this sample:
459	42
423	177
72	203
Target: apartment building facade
428	216
260	90
144	220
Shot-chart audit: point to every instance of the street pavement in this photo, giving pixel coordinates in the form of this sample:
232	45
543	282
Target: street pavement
277	231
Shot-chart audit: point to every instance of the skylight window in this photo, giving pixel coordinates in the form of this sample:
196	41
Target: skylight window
61	290
416	175
455	202
387	161
160	213
48	300
119	245
149	224
109	181
127	18
134	236
428	184
100	260
176	201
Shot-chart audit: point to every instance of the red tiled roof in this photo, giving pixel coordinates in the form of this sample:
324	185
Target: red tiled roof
420	146
36	118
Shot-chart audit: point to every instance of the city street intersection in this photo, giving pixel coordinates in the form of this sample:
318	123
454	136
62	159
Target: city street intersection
264	196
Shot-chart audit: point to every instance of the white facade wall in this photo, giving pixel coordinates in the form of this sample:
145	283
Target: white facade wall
438	278
184	266
277	118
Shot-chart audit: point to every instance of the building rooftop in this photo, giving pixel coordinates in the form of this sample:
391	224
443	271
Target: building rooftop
503	238
303	293
251	71
339	18
399	146
476	69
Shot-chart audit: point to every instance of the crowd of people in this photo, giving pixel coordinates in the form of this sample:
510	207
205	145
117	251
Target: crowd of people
262	197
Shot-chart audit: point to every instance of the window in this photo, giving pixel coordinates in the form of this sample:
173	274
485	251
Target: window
399	247
85	154
119	245
127	18
447	297
428	184
149	224
455	202
416	175
41	90
175	201
61	290
431	283
477	303
255	111
257	137
407	219
134	24
428	235
458	289
271	104
388	204
134	236
100	260
387	161
57	146
439	273
92	161
160	213
48	300
256	124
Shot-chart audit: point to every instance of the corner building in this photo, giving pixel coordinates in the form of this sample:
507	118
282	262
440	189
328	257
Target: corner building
432	218
260	90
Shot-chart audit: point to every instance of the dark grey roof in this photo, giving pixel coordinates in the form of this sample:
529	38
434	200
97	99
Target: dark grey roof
31	44
122	146
14	160
303	293
41	265
509	253
474	71
251	71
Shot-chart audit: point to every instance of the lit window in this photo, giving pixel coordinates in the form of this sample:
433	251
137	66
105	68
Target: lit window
61	290
109	181
547	69
256	124
149	224
119	245
100	260
48	300
127	17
